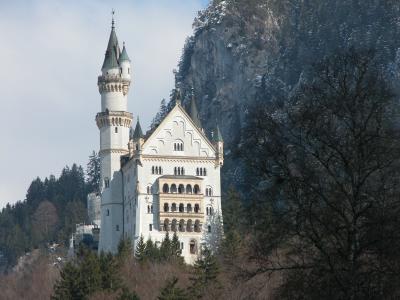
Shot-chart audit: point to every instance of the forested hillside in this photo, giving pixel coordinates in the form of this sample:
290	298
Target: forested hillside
48	214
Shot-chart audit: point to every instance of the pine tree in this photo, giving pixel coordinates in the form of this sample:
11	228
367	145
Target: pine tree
93	172
175	248
151	251
90	273
126	294
109	272
140	250
171	292
69	285
205	273
165	249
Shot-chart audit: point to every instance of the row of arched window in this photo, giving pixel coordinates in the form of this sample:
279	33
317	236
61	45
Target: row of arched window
201	172
156	170
181	226
181	208
208	191
178	146
181	189
179	171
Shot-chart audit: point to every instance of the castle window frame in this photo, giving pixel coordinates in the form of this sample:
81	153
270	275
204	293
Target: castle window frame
106	182
178	145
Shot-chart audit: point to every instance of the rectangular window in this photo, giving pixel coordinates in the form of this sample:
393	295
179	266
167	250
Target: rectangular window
106	182
117	228
150	227
181	245
116	129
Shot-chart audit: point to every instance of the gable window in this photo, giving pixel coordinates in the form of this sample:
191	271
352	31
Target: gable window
178	146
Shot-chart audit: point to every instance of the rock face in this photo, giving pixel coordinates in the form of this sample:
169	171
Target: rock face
242	50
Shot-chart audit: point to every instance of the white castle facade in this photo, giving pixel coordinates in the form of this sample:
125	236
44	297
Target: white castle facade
167	180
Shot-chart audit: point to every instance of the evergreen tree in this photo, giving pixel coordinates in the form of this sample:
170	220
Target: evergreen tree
69	285
175	248
171	292
90	272
109	272
151	251
165	249
140	250
205	273
125	249
93	173
126	294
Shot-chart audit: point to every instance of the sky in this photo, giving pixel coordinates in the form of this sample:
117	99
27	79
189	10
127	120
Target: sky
51	54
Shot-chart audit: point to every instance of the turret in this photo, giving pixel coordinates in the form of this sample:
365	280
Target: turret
125	64
137	138
219	146
194	113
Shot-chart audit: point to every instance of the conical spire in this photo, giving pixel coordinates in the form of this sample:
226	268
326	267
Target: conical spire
217	136
113	51
124	55
194	113
138	131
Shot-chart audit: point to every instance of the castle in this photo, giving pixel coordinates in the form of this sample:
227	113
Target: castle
167	180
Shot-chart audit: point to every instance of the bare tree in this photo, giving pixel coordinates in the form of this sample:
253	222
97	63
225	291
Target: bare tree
327	194
44	220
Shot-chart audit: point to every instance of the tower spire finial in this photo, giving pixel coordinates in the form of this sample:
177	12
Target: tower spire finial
112	19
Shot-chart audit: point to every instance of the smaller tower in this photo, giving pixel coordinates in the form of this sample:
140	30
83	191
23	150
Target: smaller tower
125	64
219	146
138	138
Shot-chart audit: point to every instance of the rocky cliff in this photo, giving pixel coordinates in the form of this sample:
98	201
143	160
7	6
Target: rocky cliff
242	50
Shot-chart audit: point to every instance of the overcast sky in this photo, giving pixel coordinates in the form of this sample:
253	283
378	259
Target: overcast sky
51	53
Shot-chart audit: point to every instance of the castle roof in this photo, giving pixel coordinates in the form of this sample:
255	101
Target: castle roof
124	55
138	133
194	113
217	137
112	52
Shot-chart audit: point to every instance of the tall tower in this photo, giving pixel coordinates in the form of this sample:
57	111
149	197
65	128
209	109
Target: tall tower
114	123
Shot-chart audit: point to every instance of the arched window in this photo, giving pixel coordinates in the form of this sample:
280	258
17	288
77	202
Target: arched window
196	189
173	188
208	191
183	171
197	226
182	225
116	129
196	208
197	172
207	212
106	182
152	170
149	190
160	170
151	209
108	212
178	146
148	209
189	208
189	189
166	225
181	208
173	207
204	172
156	170
173	225
165	188
166	207
209	228
181	189
189	224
